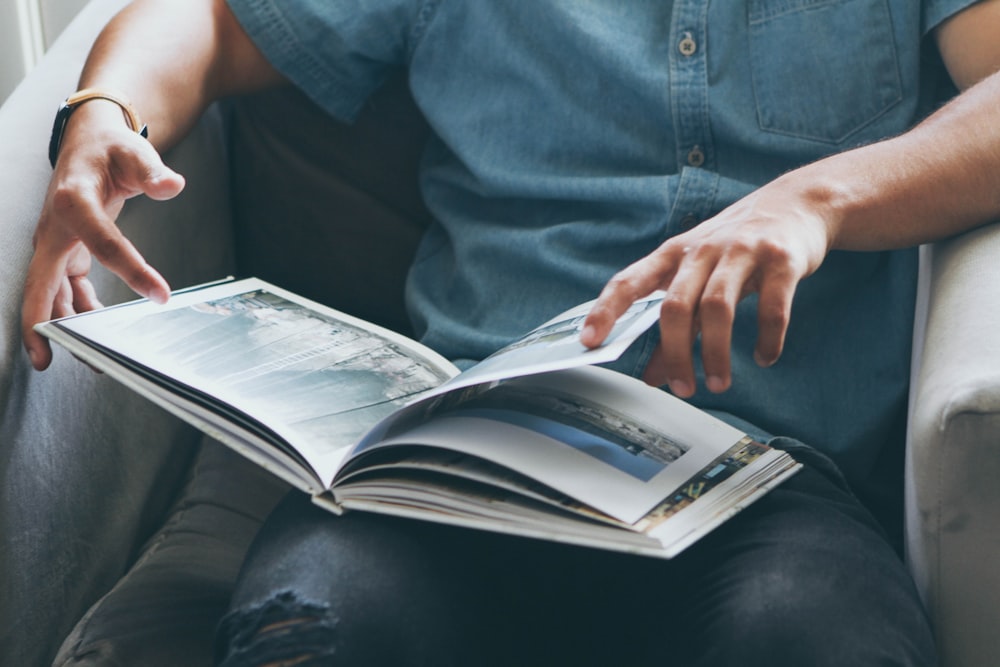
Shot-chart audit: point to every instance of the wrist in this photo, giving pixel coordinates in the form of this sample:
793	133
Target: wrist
823	197
93	103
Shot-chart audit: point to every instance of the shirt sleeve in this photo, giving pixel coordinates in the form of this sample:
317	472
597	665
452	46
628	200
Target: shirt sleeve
338	53
936	11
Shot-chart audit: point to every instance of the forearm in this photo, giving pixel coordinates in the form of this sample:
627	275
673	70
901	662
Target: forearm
937	180
172	58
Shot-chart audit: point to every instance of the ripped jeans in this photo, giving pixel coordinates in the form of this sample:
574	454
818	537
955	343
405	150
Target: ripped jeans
803	577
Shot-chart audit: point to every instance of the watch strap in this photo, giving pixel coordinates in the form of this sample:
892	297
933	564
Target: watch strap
85	95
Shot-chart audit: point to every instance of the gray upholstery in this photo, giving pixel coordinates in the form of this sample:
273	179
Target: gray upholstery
953	476
304	217
120	531
164	611
86	469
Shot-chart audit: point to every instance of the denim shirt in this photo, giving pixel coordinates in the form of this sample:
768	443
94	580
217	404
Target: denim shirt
572	137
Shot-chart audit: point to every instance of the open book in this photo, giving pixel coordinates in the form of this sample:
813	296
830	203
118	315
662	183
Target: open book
535	440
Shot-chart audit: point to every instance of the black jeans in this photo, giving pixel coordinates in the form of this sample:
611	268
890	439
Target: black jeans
803	577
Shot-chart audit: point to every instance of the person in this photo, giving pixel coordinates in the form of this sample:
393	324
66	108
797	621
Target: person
769	164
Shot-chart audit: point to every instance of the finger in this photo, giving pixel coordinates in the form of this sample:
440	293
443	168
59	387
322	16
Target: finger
37	347
110	247
163	185
62	305
84	294
77	269
41	288
117	253
101	236
626	287
655	373
774	309
138	168
717	313
678	321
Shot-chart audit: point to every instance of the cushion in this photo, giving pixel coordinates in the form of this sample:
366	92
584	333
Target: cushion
164	611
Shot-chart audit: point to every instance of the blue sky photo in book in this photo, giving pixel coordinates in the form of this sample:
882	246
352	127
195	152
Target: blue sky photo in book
621	441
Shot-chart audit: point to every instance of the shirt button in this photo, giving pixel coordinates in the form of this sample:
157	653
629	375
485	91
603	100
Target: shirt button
696	157
687	46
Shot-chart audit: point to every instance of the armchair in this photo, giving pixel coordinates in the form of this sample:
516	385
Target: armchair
105	499
952	469
121	529
80	493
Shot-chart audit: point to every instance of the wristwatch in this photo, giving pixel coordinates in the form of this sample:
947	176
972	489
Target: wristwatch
76	99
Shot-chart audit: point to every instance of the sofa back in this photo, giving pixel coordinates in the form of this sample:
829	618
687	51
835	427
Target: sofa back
329	210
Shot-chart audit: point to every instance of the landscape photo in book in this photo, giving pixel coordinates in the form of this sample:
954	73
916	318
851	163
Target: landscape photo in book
598	430
325	379
556	343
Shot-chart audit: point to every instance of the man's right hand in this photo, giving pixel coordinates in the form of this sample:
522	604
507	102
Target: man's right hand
101	164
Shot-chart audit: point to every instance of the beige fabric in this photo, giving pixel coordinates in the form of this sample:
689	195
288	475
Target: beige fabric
164	612
954	455
87	469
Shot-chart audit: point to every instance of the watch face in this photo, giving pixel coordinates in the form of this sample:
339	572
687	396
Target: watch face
58	127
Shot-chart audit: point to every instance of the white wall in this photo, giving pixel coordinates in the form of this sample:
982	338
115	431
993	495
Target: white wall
14	39
56	15
27	28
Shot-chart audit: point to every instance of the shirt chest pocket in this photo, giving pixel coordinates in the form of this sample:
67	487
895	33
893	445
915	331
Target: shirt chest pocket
822	70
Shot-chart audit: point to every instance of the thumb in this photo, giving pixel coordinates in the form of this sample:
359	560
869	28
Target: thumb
141	170
162	182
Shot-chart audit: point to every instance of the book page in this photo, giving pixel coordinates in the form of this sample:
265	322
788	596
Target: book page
316	377
603	438
556	344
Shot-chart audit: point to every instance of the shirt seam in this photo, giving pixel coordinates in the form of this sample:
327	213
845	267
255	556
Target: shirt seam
936	13
426	12
344	103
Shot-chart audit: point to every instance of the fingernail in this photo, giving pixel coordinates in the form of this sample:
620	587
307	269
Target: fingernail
761	361
159	296
680	387
33	356
715	384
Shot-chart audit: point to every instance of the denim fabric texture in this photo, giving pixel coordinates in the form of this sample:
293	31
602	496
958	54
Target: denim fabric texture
803	577
183	576
572	138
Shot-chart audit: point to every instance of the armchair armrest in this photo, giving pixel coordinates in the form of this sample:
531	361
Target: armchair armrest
88	468
953	480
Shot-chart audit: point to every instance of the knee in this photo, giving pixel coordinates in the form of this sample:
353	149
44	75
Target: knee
820	618
283	630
